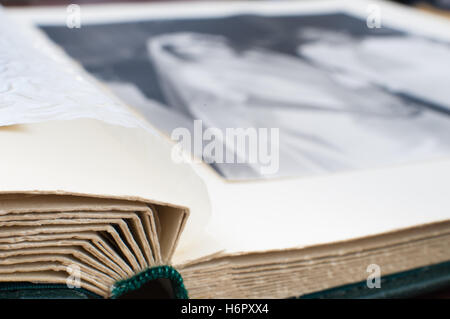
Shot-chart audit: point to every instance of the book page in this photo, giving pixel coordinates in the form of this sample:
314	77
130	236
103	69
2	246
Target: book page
60	133
359	151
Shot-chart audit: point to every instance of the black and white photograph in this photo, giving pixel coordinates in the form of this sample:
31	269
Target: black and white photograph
343	95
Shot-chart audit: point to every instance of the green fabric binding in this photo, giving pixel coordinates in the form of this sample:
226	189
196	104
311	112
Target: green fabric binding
25	289
137	281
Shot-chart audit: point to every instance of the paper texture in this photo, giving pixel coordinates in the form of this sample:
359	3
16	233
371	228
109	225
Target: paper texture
99	241
90	157
37	84
62	134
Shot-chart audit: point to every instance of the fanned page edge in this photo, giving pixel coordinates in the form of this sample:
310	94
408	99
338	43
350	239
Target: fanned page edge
42	256
131	146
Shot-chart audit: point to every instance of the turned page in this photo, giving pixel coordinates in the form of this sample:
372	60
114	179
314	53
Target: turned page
60	133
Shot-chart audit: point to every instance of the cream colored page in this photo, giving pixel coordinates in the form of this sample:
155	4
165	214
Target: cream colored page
61	133
86	156
258	216
297	213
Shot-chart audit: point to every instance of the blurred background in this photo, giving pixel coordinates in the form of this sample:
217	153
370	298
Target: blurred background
442	5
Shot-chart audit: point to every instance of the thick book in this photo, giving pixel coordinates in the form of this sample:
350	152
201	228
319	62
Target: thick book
238	150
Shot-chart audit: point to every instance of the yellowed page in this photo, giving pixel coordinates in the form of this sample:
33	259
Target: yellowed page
60	133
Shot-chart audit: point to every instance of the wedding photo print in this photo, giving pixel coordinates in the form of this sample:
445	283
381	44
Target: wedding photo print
295	149
315	77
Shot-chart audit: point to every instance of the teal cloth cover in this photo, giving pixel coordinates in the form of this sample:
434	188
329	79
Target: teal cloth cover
24	290
406	284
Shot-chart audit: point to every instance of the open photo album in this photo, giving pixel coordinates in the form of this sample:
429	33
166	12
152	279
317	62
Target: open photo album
241	149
